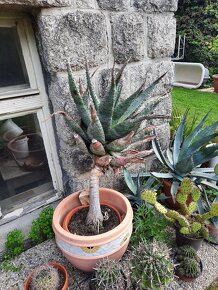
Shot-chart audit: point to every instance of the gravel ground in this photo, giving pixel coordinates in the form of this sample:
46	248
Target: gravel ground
78	280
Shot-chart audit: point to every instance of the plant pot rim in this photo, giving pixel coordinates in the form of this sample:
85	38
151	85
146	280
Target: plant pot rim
67	236
56	265
76	209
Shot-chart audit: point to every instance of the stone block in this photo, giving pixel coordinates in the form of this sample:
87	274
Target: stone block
163	135
37	3
156	5
161	35
85	4
116	5
73	37
128	36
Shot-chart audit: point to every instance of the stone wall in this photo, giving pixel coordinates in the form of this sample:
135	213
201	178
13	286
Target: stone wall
103	31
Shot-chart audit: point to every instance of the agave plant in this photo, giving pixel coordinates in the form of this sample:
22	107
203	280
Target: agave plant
138	183
187	154
108	130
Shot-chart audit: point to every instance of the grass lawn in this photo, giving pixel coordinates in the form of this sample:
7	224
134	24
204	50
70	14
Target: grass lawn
198	102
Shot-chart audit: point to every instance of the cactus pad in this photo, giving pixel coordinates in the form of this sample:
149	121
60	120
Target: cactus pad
149	196
196	194
214	209
181	198
173	214
192	207
204	232
185	231
159	207
195	227
183	221
186	186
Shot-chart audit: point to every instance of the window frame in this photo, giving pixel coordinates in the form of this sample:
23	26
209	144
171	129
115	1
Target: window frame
33	100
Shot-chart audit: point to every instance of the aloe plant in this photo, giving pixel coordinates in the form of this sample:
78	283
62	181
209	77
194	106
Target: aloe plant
108	130
187	154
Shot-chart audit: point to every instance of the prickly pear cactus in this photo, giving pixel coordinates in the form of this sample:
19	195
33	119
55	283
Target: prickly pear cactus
149	196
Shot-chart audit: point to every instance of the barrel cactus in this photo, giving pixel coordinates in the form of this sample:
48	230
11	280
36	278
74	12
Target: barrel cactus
189	267
186	218
151	265
186	251
108	130
45	277
109	275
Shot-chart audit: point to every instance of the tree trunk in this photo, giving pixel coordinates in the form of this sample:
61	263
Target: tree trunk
94	218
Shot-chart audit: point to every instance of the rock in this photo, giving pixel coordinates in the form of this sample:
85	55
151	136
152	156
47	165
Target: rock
128	36
156	5
37	3
118	5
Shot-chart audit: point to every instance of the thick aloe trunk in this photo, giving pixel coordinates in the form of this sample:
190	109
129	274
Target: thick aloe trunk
94	217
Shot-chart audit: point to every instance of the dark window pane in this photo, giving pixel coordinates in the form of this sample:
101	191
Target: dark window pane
24	171
12	67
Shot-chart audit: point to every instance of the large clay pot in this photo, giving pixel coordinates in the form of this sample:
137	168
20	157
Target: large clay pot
85	251
59	267
215	83
182	240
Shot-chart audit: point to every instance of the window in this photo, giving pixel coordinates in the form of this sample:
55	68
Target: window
30	174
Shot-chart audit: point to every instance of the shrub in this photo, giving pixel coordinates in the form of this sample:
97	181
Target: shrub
41	228
14	244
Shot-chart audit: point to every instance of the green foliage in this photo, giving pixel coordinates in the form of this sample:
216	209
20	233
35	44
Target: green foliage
41	228
186	251
198	20
14	244
152	267
45	277
149	224
8	266
109	275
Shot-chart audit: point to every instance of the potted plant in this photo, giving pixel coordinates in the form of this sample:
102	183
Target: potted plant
108	135
190	226
108	275
50	276
186	156
188	264
151	265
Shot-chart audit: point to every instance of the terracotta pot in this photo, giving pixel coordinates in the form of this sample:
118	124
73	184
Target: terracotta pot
188	279
167	187
213	234
58	266
73	211
182	240
215	83
85	251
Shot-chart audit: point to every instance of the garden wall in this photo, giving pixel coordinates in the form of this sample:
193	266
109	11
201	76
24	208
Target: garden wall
104	31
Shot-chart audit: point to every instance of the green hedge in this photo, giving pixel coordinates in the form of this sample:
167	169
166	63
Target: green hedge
198	20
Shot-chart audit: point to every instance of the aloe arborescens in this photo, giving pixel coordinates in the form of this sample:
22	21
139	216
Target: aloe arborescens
108	130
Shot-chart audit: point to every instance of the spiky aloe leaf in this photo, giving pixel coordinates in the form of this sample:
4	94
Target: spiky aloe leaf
122	129
162	175
129	181
210	184
93	95
174	188
178	139
73	125
95	129
205	154
83	110
184	166
106	107
118	94
131	104
205	175
204	169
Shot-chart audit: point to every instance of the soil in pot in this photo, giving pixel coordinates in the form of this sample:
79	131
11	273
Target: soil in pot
77	223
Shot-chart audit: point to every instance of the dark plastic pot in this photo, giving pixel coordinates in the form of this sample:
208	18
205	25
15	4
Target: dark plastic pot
182	240
213	234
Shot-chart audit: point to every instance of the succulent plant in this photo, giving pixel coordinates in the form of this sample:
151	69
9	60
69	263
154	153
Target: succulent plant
108	130
45	277
189	267
141	183
190	223
109	275
187	154
151	265
186	251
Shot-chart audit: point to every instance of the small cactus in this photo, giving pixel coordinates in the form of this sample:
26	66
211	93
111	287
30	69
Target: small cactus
149	196
151	265
45	277
186	252
189	267
186	186
196	194
109	275
214	209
